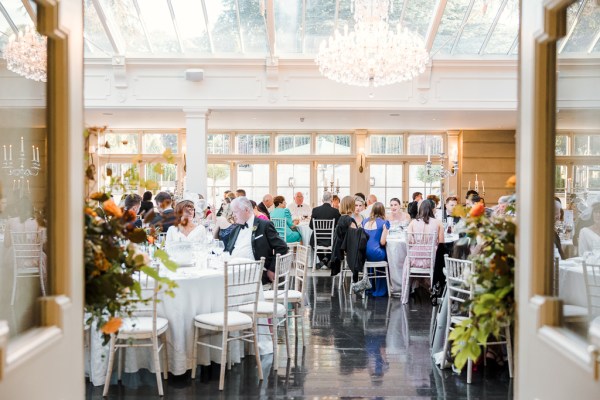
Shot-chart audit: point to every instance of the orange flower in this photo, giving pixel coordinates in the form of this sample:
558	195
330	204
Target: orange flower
90	212
477	210
112	325
112	209
511	182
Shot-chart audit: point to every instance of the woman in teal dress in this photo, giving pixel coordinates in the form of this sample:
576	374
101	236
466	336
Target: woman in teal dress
291	234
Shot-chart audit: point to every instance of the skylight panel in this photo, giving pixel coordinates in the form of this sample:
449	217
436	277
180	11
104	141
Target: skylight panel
503	36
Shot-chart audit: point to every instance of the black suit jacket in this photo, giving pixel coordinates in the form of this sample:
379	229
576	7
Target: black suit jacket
266	242
164	220
324	211
413	209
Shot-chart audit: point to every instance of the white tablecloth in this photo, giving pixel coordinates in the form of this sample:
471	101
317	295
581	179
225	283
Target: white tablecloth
571	286
305	232
200	291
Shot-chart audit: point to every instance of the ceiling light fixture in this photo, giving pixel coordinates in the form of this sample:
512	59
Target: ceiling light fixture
26	54
372	54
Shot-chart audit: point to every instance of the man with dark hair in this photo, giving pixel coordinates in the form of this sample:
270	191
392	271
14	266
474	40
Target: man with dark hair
240	193
220	212
413	206
133	202
166	215
469	197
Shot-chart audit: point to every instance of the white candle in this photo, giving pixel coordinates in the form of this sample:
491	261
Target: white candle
428	153
4	152
22	148
37	150
476	183
454	155
337	182
28	191
483	186
32	153
10	152
469	186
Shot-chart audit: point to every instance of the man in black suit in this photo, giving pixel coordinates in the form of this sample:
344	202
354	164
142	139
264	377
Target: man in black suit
166	215
413	206
254	238
325	211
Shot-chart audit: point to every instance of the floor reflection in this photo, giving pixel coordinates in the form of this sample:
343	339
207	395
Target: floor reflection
359	348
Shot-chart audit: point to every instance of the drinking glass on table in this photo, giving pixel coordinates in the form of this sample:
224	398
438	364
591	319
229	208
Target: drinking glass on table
218	247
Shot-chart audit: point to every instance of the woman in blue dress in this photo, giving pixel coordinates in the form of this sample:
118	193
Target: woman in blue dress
291	234
377	228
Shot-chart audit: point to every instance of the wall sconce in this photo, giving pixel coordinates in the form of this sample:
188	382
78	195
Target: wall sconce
372	181
361	152
291	182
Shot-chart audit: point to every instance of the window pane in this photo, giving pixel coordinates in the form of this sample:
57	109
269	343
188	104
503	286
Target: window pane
333	144
585	30
253	27
288	25
586	145
420	144
191	25
293	144
479	23
254	179
292	178
387	144
119	178
165	175
159	25
420	181
126	18
386	182
217	144
95	35
254	144
120	143
319	23
223	26
219	180
338	174
506	30
157	143
561	145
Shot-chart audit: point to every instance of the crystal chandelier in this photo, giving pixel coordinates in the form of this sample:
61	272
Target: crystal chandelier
25	54
372	54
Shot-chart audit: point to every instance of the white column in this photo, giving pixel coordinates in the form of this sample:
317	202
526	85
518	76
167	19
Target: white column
196	124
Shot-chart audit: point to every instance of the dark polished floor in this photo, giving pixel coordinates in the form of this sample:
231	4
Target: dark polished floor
356	348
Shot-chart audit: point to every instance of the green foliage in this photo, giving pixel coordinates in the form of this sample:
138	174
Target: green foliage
493	305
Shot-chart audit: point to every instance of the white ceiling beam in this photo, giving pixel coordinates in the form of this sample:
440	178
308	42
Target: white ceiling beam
594	42
143	23
113	34
13	26
269	18
175	26
239	24
336	16
303	37
30	11
434	25
462	26
572	28
208	32
492	27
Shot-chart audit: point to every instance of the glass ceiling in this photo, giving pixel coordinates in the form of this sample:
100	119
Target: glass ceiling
239	28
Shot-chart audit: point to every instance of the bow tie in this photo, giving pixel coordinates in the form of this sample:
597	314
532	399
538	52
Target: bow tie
300	205
244	225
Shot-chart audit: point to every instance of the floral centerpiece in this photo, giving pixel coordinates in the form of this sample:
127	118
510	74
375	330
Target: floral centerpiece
113	257
493	305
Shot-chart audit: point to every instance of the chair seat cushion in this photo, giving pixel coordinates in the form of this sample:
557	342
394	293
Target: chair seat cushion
572	311
234	318
137	326
264	308
376	264
293	295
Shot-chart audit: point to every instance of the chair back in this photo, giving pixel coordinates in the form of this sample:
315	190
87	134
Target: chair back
301	265
323	231
242	285
421	248
280	226
591	277
27	251
146	305
281	284
458	288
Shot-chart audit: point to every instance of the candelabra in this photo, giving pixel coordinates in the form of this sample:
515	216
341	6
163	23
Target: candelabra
19	170
442	172
333	189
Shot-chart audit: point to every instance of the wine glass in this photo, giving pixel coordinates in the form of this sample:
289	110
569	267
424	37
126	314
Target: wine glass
218	247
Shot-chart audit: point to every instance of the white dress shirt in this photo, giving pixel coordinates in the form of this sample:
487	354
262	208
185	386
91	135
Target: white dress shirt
243	243
366	213
299	211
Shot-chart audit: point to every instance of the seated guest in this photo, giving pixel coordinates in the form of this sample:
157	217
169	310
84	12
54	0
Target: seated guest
347	207
372	199
361	195
133	203
254	238
257	213
477	199
146	205
166	215
185	229
335	202
396	215
298	209
413	206
359	207
437	211
424	223
291	234
451	202
240	193
266	205
324	211
377	228
500	209
468	197
224	224
589	236
225	194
